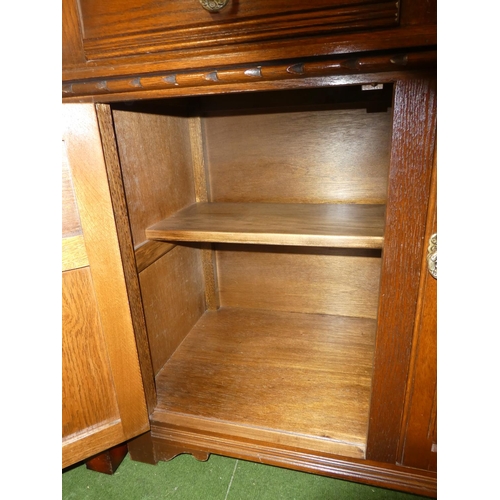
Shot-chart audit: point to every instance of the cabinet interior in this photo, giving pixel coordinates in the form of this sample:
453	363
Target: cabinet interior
258	222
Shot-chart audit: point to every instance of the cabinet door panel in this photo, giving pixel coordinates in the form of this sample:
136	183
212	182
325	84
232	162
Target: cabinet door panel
410	178
103	396
419	448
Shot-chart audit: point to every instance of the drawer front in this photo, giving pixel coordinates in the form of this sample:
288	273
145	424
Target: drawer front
118	28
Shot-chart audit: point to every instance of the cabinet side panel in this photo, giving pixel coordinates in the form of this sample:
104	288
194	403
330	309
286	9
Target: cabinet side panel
155	157
87	389
324	281
173	296
329	156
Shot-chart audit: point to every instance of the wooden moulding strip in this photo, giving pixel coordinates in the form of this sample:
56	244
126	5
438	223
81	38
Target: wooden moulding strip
414	481
175	83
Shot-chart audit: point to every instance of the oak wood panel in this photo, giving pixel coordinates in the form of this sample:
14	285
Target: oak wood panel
141	26
85	156
174	299
155	157
328	156
70	217
123	232
339	225
87	382
74	254
419	434
408	194
313	389
321	281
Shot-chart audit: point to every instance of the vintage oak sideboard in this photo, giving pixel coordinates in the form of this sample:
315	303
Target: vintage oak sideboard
249	234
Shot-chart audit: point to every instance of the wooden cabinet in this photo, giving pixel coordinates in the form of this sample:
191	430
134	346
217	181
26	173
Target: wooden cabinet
271	217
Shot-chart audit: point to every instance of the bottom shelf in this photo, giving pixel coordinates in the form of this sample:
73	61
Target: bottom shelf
298	380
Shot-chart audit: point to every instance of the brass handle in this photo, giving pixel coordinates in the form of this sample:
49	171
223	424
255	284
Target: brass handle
213	5
432	256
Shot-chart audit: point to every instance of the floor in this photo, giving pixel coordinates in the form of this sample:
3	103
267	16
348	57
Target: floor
219	478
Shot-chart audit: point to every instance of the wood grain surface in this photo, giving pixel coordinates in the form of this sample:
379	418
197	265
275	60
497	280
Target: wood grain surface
338	225
174	299
155	158
295	279
87	384
288	378
409	188
116	30
318	156
74	254
419	434
70	217
85	157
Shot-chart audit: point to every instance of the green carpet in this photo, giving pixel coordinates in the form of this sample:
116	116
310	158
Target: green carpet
219	478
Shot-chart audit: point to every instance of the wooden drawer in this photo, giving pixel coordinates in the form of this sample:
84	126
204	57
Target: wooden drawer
119	28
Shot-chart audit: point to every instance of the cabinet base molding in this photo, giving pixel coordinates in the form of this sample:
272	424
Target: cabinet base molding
164	443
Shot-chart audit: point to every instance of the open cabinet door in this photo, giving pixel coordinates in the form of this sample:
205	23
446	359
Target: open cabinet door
419	439
103	396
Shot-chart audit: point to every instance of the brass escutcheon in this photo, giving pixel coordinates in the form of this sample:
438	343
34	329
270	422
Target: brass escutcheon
432	256
213	5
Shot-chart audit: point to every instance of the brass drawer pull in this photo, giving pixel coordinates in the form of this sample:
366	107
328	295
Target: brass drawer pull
213	5
432	256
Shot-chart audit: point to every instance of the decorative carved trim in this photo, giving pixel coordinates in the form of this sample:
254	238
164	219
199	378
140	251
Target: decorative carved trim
261	72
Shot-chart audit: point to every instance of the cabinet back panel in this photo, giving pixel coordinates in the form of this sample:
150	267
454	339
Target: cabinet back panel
307	280
155	157
173	296
327	156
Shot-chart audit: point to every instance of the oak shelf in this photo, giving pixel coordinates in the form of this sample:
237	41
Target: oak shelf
300	380
309	224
